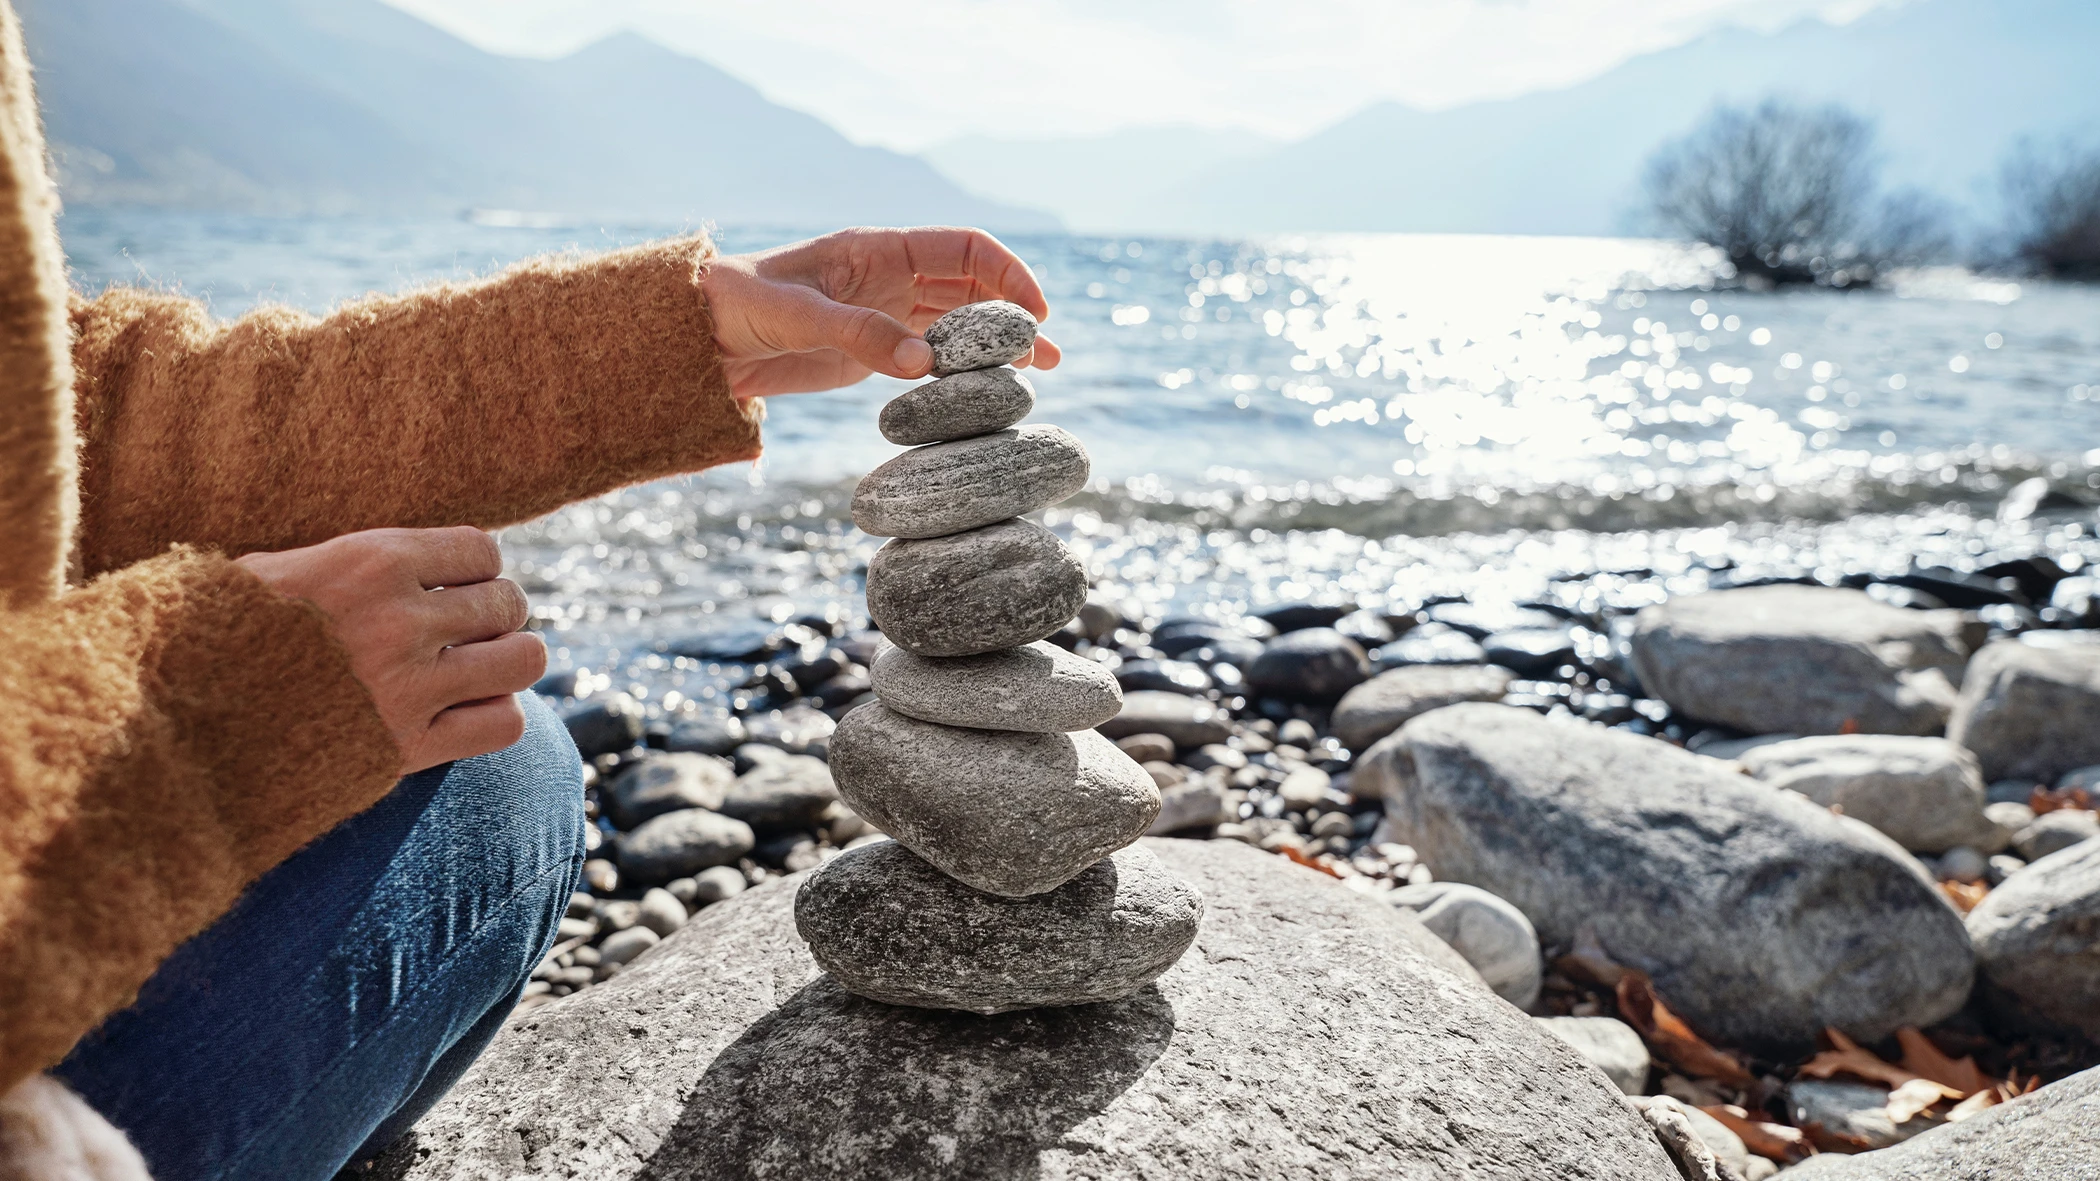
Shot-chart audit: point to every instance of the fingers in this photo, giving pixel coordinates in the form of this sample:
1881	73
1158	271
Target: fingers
946	252
474	612
869	337
492	668
457	556
1045	355
464	731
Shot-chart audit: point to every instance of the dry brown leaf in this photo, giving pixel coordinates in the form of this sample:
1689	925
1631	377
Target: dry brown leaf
1588	960
1964	895
1847	1057
2043	799
1922	1058
1769	1140
1988	1097
1908	1101
1672	1039
1827	1140
1298	855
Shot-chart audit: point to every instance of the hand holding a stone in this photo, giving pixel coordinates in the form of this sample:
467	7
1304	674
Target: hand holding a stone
824	313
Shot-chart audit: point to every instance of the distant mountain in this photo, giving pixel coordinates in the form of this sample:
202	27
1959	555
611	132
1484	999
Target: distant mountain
1107	181
1951	84
353	106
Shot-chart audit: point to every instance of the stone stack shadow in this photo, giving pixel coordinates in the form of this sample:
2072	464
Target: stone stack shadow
1013	881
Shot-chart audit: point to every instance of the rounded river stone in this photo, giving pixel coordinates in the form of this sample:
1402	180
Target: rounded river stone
974	402
945	488
892	928
1004	811
980	336
1039	688
1001	586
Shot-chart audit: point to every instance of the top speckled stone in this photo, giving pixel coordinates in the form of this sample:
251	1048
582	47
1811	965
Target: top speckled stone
980	336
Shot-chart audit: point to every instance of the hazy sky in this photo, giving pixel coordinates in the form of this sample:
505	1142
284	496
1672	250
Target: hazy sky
910	75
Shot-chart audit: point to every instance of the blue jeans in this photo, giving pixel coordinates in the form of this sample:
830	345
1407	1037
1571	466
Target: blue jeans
352	985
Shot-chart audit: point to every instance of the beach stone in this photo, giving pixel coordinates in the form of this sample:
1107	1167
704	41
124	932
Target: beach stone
783	792
706	735
1430	643
2085	779
945	488
1037	687
1311	1033
606	725
980	336
682	843
1963	864
1925	793
1492	935
2052	1134
665	782
1184	721
1382	704
2037	941
1851	1109
2053	832
2029	712
974	402
1193	803
718	884
1698	1142
1801	660
893	928
623	946
1314	664
1007	812
661	911
1610	1044
1149	748
1001	586
1760	915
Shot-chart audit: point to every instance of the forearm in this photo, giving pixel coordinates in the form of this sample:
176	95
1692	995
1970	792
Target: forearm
480	404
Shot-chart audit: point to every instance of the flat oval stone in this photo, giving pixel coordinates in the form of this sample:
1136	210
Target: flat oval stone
1007	812
945	488
1039	688
980	336
891	927
973	402
1001	586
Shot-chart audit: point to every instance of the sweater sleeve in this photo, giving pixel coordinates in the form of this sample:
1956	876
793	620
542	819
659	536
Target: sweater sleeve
482	404
167	733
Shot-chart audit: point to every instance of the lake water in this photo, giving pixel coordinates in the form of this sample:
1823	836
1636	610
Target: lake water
1385	418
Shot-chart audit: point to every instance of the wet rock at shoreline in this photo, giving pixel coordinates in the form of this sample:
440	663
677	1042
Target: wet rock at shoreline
682	843
667	782
1926	793
945	488
1802	660
1006	812
2050	1135
980	336
1037	687
607	725
1760	916
1609	1044
2037	941
786	791
892	927
1314	664
1431	643
974	402
1185	721
749	1063
1001	586
2029	711
1492	935
1382	704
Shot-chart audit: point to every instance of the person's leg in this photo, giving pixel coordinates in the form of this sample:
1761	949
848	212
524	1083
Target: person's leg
352	983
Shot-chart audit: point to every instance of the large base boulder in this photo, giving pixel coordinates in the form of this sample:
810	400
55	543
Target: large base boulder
2030	712
2038	942
1310	1033
2050	1135
1802	660
1761	917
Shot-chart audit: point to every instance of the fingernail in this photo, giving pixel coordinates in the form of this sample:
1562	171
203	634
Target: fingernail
913	356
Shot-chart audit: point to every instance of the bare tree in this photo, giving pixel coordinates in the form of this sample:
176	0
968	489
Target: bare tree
1791	195
2052	202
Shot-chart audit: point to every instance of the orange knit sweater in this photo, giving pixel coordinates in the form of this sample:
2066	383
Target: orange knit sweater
170	728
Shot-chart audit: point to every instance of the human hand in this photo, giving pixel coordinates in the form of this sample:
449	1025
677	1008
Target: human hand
432	632
824	313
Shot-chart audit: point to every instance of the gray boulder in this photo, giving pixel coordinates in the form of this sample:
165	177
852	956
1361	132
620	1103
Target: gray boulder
682	843
980	336
2050	1135
1925	793
1382	704
975	402
945	488
1492	935
1007	812
2037	941
1316	664
2053	832
1038	687
783	792
1761	917
1610	1044
892	928
2029	712
725	1054
1187	722
1001	586
665	783
1801	660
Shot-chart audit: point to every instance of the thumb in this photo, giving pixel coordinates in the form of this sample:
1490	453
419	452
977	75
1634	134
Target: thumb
871	338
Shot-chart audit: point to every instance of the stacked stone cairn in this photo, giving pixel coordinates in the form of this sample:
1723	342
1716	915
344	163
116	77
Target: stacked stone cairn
1013	880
